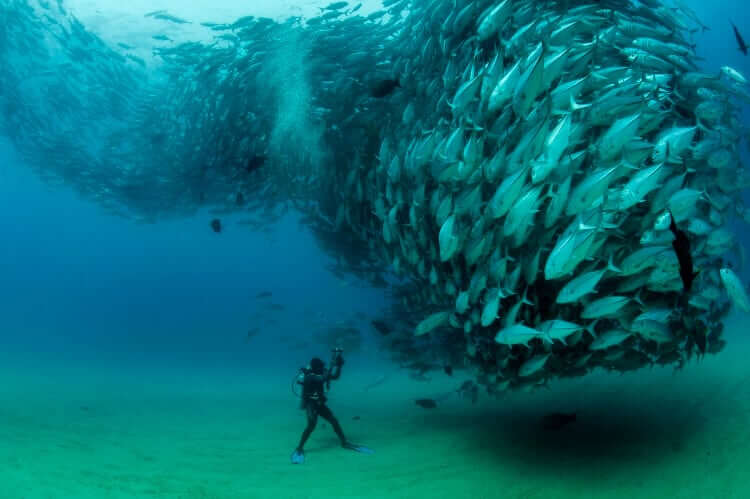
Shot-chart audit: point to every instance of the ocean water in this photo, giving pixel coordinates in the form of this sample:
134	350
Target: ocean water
156	361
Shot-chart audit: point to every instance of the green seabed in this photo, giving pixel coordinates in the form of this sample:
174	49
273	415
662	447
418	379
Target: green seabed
79	430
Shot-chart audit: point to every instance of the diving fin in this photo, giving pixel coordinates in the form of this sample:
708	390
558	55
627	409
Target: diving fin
298	457
358	448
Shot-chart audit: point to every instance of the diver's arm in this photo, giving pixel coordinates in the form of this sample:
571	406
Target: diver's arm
335	371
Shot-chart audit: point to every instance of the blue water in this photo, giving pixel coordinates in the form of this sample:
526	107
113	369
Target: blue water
77	281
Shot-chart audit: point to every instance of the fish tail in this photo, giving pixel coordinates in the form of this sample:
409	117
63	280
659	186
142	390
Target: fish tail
525	299
637	298
612	267
574	106
591	328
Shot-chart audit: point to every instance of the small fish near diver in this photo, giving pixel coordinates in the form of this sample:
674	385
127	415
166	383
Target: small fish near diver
382	327
426	403
740	40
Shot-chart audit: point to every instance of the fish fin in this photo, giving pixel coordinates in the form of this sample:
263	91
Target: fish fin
710	201
574	106
611	266
591	328
525	300
701	126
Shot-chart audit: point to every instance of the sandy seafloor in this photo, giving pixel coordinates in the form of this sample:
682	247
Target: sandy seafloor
75	430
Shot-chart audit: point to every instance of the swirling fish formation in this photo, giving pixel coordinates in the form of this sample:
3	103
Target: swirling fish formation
517	165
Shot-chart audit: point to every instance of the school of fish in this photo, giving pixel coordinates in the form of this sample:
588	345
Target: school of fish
516	165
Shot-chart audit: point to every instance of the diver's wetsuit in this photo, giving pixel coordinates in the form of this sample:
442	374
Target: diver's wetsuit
314	403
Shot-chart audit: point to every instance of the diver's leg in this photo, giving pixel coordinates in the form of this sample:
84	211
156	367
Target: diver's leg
326	414
312	420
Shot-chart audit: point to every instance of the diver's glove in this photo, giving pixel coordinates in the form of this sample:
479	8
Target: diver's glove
339	361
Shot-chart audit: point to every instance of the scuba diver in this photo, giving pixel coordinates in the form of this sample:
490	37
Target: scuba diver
315	380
